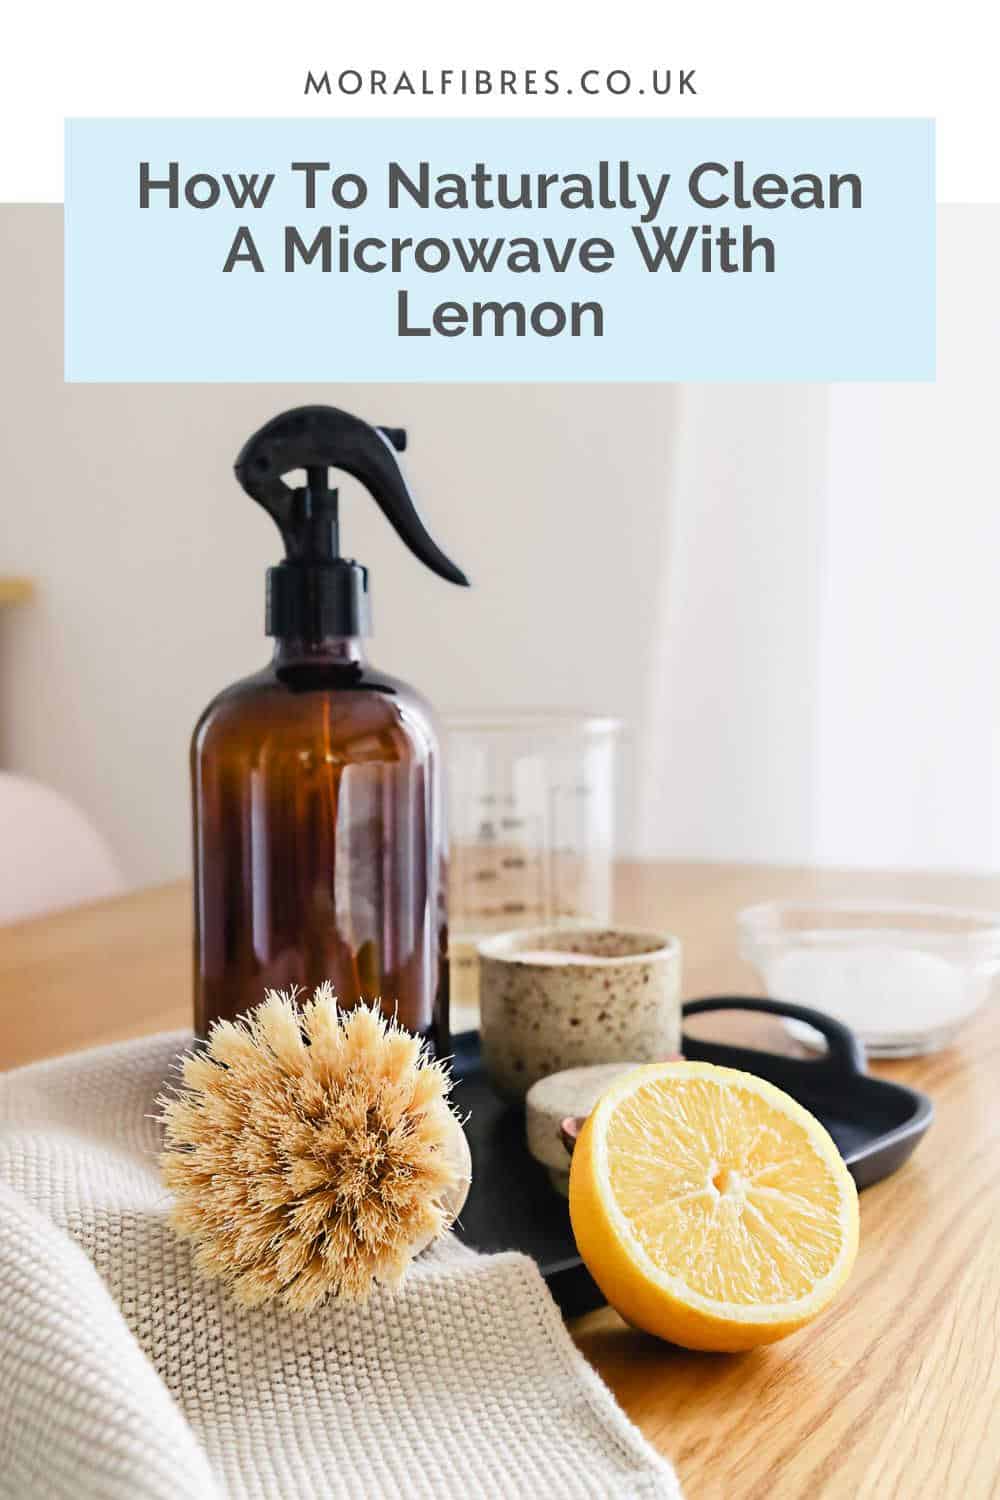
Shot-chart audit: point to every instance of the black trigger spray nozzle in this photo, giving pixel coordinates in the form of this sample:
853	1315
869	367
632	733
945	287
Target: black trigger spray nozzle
316	592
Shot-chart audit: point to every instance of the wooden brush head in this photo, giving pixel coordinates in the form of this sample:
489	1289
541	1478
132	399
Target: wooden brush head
311	1152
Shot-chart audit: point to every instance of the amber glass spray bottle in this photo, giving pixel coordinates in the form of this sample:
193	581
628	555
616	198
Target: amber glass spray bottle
319	822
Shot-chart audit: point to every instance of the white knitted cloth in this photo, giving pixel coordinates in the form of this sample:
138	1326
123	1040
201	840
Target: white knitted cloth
124	1376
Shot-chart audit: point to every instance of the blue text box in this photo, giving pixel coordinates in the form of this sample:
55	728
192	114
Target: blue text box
851	295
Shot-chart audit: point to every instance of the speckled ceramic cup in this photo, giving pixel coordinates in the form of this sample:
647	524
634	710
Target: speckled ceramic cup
554	998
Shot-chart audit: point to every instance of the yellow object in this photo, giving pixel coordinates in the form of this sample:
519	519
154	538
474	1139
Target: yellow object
15	590
710	1208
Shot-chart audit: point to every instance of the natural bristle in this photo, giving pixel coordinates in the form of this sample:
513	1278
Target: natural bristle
307	1151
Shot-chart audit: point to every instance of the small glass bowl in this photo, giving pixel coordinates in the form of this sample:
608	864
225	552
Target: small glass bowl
904	977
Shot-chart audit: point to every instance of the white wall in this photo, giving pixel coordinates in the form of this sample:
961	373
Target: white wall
827	683
790	592
909	661
734	694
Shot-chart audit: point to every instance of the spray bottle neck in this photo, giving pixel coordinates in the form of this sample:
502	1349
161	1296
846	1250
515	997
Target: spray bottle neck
328	651
316	601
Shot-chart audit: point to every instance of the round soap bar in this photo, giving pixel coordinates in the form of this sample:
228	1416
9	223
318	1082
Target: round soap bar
572	1092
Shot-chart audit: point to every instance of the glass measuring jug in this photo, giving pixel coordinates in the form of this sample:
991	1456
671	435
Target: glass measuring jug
532	812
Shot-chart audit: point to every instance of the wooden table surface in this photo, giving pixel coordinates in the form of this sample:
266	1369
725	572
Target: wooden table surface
894	1393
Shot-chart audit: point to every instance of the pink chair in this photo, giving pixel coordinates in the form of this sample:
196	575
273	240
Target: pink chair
51	856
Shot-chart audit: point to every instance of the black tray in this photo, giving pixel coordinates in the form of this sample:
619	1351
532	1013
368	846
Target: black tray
513	1206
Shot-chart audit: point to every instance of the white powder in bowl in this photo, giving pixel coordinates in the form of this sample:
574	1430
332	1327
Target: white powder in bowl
883	992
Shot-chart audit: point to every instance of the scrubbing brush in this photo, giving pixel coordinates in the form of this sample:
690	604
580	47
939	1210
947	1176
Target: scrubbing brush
311	1152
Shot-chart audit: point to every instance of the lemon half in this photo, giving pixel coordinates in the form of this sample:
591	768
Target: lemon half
711	1208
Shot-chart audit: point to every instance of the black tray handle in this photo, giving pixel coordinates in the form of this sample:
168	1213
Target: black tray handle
844	1058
